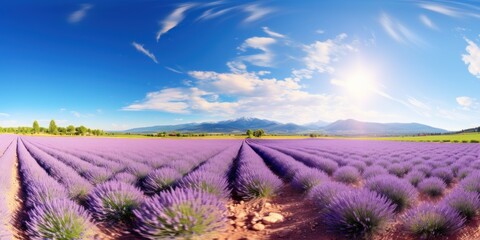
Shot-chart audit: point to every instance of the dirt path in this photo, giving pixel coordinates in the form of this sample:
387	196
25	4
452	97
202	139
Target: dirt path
16	204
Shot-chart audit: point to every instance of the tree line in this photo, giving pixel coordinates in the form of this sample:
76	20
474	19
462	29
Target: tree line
53	129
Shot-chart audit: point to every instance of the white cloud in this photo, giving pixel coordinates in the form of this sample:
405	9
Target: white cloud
427	22
147	53
263	59
4	114
321	55
173	70
255	12
80	14
211	13
466	102
442	9
398	31
173	19
472	58
81	115
320	31
272	33
417	103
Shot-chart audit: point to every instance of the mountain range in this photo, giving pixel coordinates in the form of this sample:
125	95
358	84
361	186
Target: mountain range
340	127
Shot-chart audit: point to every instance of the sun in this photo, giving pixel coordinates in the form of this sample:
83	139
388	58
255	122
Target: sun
358	80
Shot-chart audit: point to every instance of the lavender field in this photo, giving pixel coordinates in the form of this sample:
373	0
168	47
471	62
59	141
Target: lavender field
99	188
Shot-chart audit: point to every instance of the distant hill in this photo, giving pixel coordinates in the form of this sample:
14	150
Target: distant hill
340	127
228	126
354	127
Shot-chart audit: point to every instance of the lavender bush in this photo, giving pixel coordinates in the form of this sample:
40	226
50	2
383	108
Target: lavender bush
432	186
358	214
181	213
114	202
59	219
397	190
160	180
432	222
323	194
347	174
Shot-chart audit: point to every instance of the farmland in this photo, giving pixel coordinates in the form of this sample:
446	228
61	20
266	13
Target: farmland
104	188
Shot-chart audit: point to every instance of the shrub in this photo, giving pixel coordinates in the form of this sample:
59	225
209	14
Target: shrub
472	182
114	202
415	177
443	173
373	171
59	219
465	203
432	222
206	181
347	174
160	180
432	186
126	178
323	194
397	190
358	214
180	213
254	184
398	169
309	178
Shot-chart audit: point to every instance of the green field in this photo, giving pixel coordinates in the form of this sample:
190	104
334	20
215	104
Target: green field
464	137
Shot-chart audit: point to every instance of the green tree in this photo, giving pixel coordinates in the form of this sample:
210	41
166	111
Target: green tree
82	130
36	127
71	130
258	133
249	133
52	128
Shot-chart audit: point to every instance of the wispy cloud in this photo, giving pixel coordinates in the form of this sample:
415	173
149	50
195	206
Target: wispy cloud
255	12
398	31
453	9
147	53
427	22
80	115
472	58
212	13
4	114
466	102
173	70
442	9
79	14
272	33
264	59
173	19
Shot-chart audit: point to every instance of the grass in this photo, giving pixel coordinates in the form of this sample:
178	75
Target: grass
453	138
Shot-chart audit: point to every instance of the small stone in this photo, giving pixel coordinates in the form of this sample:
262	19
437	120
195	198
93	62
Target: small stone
242	202
231	208
241	215
268	205
258	227
231	222
276	215
239	224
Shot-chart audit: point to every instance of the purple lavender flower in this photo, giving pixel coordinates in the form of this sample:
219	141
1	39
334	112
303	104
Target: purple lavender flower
113	202
181	213
397	190
346	174
126	178
373	171
358	214
323	194
432	222
206	181
59	219
467	204
309	178
415	177
160	180
255	184
443	173
432	186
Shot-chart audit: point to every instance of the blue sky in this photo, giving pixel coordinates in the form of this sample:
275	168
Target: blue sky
123	64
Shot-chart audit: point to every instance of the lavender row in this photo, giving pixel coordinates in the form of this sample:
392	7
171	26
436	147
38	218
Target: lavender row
51	215
7	163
